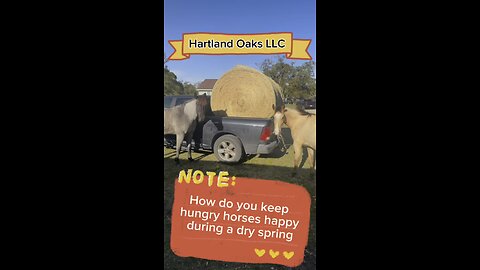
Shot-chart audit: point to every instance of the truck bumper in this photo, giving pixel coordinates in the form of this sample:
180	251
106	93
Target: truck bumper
267	148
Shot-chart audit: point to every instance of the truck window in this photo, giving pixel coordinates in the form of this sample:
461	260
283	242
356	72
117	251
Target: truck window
167	102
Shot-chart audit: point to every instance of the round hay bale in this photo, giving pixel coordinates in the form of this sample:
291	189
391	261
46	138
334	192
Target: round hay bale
245	92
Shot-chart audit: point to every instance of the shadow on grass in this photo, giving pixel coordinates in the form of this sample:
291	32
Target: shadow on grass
204	154
169	155
267	172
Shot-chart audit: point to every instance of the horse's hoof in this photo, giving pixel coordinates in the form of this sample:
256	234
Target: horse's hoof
191	159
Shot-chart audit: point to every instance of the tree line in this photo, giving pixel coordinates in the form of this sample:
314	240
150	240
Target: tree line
295	81
171	86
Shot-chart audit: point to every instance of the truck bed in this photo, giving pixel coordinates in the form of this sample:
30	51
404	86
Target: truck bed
248	130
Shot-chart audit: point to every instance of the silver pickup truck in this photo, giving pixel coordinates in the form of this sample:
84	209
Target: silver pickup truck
230	138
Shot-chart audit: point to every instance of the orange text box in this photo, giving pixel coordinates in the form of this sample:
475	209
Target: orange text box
240	220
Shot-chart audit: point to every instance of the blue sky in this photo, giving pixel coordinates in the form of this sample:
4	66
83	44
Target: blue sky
235	17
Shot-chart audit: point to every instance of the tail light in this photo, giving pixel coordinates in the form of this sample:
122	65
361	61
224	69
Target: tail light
266	132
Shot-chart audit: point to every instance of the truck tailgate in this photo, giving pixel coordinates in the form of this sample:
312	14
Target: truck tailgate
248	130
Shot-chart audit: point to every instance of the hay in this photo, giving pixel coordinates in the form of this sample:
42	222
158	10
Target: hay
245	92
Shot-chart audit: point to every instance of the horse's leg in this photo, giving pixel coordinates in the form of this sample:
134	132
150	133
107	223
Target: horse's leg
180	137
297	156
189	145
311	159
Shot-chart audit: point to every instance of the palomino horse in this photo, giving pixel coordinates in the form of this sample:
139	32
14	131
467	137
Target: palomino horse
181	120
304	132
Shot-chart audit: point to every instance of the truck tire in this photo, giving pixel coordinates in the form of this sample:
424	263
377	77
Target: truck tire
228	149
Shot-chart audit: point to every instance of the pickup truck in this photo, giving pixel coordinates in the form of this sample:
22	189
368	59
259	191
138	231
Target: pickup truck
230	138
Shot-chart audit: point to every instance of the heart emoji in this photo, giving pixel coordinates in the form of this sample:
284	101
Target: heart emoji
274	253
288	255
260	252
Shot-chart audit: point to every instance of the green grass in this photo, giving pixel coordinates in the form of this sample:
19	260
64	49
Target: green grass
276	166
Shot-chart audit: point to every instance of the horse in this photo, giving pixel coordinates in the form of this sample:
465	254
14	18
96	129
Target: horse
181	120
303	128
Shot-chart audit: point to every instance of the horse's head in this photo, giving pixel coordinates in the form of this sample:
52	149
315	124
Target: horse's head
278	120
202	103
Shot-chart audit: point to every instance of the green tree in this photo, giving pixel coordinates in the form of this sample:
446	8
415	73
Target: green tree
170	84
296	81
189	89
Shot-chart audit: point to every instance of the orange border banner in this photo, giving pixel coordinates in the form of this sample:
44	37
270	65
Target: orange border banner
254	236
237	44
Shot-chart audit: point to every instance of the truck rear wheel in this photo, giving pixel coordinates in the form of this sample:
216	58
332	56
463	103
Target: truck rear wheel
228	148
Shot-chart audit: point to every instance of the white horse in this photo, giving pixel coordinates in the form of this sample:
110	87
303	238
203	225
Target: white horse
181	120
303	126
